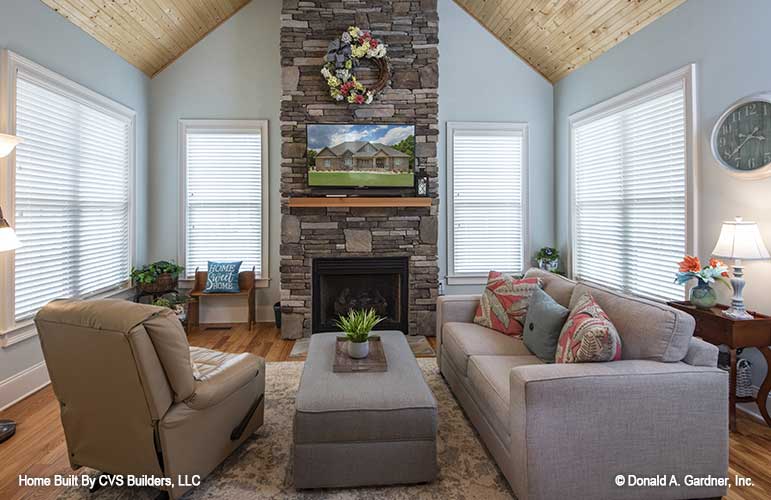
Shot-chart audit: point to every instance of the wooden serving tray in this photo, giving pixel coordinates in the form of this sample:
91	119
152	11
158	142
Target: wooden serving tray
374	362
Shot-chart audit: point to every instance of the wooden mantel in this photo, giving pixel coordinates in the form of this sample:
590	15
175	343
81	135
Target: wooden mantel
307	202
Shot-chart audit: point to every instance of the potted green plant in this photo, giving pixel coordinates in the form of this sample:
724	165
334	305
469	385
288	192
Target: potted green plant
548	259
176	302
357	325
160	276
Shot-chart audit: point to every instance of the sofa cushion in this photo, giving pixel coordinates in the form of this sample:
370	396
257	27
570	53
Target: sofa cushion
648	330
588	335
558	287
489	379
503	305
462	340
543	325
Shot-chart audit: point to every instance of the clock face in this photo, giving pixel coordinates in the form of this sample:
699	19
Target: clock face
743	137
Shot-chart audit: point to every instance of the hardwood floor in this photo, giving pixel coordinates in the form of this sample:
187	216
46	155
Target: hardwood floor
38	449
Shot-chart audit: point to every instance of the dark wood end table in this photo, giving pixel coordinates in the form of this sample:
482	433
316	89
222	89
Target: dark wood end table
717	329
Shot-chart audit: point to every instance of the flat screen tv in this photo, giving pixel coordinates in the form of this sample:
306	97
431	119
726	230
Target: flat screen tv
378	156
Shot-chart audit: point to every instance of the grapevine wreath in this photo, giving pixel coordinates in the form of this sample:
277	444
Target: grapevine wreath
343	55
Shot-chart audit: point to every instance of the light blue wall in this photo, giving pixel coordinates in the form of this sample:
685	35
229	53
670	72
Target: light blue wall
233	73
728	41
34	31
480	79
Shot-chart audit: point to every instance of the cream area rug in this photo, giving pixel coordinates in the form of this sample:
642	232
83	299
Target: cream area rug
262	467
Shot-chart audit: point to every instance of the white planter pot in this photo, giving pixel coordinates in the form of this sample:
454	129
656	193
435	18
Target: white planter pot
358	350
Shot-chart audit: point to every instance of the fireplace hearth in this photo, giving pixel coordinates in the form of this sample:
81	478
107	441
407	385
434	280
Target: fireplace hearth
348	283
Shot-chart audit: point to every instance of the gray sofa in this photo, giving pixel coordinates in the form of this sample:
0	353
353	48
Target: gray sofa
567	430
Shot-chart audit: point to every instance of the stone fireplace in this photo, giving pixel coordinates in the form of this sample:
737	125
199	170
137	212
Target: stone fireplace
311	235
346	283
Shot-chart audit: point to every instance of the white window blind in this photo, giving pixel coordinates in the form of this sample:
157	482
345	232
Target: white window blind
487	211
71	196
224	196
629	167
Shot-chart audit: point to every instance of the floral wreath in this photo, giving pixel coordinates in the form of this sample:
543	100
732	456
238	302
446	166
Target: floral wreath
343	55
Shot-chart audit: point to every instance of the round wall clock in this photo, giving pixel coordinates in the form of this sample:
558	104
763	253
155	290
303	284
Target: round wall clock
741	139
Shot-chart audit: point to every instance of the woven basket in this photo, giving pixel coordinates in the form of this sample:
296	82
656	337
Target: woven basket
165	282
744	378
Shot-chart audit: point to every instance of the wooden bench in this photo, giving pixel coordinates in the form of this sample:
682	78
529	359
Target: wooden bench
245	284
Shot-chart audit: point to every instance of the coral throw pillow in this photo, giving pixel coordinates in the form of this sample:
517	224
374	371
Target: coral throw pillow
503	306
588	335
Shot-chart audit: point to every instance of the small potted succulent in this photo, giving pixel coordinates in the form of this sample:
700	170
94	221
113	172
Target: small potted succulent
161	276
548	259
357	325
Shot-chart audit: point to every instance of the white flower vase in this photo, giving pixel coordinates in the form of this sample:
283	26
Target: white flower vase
358	350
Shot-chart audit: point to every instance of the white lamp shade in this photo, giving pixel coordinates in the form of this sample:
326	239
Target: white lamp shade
8	239
7	143
740	240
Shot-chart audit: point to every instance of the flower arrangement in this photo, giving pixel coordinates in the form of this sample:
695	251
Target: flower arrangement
343	55
690	268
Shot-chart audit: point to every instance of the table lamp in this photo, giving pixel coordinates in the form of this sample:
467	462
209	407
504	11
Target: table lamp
739	240
8	241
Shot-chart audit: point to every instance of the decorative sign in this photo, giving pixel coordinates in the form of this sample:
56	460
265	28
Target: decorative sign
741	139
344	55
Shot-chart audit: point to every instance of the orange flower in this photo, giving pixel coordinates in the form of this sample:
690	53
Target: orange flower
691	264
717	263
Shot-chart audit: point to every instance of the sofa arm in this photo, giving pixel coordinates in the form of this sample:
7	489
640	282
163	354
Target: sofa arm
701	353
454	308
594	421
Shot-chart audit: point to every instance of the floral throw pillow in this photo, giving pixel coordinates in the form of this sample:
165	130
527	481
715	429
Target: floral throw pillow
588	335
503	306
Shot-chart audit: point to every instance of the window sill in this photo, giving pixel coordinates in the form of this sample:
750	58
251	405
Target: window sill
26	329
467	280
478	279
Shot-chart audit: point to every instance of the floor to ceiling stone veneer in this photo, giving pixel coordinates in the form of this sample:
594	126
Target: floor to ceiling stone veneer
410	30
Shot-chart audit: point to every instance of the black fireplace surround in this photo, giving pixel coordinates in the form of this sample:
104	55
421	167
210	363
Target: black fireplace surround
342	284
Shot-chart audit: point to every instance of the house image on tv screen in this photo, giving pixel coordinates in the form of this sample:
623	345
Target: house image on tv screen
362	156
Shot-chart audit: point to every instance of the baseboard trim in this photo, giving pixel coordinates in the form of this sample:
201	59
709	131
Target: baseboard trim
19	386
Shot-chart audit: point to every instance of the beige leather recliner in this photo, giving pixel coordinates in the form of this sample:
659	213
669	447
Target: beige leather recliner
129	401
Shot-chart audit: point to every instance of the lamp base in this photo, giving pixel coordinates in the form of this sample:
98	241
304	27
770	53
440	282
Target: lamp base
737	314
737	310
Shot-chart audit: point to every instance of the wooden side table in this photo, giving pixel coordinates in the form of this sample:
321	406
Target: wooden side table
717	329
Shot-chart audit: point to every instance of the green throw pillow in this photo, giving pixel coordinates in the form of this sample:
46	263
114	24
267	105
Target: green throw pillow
543	325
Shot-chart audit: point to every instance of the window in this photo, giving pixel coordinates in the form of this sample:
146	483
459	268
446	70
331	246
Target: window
71	179
327	163
630	160
348	161
225	192
487	205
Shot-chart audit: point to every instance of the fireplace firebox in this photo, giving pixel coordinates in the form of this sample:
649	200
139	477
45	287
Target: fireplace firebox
343	284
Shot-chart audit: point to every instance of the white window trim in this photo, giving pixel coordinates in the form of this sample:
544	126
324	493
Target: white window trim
263	279
630	98
454	278
10	63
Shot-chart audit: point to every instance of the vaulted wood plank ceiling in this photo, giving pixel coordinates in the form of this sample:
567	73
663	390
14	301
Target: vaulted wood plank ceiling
554	36
150	34
558	36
